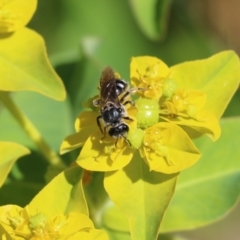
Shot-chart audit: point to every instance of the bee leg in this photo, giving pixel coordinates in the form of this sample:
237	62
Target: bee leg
116	146
105	130
129	102
124	96
125	139
128	118
99	124
129	92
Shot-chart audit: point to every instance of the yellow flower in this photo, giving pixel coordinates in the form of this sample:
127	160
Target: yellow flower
85	125
181	106
17	223
167	148
149	74
172	108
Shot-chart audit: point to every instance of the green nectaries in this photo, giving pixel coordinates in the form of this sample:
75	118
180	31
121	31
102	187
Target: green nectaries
136	138
148	112
169	87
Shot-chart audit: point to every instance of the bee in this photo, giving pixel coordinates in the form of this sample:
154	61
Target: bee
114	96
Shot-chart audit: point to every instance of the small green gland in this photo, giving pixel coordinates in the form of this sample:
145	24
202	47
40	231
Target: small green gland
136	138
38	220
169	87
148	112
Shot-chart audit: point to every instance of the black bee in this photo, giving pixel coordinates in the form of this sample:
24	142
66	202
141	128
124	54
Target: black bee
114	96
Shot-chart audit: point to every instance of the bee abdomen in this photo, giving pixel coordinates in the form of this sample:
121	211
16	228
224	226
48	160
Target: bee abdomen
118	131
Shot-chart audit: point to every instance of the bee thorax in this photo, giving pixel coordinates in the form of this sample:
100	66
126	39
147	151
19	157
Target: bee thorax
112	115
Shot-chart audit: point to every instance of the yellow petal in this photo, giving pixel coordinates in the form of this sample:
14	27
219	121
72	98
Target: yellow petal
92	234
76	140
10	152
217	76
97	155
86	119
142	65
74	222
148	73
15	14
25	65
169	149
14	219
204	123
183	99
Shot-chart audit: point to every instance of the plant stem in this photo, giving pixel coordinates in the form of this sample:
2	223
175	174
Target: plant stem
31	131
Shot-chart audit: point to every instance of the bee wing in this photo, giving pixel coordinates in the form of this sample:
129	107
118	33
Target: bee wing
108	89
109	93
107	75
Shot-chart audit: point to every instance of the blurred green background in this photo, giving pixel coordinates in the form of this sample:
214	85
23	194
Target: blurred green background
82	37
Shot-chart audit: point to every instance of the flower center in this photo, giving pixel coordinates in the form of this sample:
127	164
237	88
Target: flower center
154	142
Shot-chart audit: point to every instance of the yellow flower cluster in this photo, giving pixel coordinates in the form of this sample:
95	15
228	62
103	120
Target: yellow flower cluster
165	118
17	223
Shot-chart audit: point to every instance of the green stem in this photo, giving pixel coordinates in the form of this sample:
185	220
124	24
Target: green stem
31	131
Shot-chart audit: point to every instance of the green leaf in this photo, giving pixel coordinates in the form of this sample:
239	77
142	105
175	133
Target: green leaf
142	195
170	237
115	235
63	194
211	188
25	66
217	76
175	155
148	14
112	216
9	153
